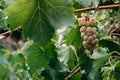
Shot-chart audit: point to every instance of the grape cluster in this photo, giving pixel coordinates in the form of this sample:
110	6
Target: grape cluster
88	34
86	20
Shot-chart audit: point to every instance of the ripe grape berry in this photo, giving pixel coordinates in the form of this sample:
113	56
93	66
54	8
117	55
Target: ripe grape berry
88	33
83	29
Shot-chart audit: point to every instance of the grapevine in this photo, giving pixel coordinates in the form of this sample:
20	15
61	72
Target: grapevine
88	33
60	40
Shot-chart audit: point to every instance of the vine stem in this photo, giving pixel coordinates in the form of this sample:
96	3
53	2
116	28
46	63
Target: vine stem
110	58
8	32
75	70
76	11
98	7
114	53
77	58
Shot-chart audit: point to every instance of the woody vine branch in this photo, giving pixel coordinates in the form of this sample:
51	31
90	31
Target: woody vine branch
76	11
98	7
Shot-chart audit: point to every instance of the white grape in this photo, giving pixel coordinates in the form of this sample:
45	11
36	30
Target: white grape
83	29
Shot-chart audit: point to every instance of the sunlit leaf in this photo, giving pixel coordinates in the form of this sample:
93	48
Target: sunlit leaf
38	17
67	56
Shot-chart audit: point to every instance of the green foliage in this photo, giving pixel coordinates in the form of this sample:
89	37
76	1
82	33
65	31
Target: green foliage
100	56
66	54
74	38
112	46
3	24
77	5
106	2
83	2
111	71
43	57
3	64
87	3
34	54
57	71
38	18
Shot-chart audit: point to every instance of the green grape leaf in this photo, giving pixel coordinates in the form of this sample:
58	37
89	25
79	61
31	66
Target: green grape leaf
18	12
74	38
85	63
112	46
50	51
83	59
38	17
100	56
35	57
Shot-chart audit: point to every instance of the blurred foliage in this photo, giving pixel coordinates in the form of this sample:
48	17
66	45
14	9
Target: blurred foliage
3	24
54	50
